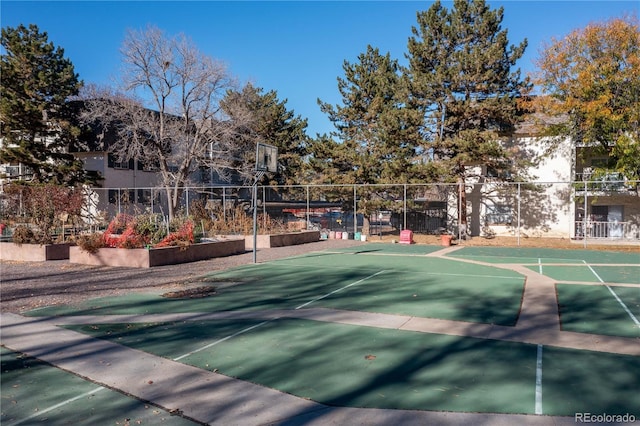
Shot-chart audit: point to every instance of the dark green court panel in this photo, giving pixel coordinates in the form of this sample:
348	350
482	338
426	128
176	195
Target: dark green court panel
346	365
593	274
547	255
516	260
575	381
383	248
594	309
30	387
478	299
425	287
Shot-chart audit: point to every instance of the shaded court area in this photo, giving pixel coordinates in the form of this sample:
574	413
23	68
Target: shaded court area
380	333
34	392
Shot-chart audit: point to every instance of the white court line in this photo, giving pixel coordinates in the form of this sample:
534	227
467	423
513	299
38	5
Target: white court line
416	272
538	408
467	275
540	265
340	289
222	340
53	407
633	318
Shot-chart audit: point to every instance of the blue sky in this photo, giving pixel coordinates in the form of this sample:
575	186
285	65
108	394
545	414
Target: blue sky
296	48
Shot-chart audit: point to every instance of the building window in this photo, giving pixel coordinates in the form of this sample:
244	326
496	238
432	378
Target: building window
122	196
113	163
145	196
499	214
497	173
149	166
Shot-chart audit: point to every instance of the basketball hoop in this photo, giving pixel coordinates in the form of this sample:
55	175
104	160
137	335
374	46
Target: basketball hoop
266	162
266	158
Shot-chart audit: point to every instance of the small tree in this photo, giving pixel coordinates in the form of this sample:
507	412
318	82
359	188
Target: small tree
44	206
37	120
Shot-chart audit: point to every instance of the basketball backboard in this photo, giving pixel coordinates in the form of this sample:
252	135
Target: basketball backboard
266	158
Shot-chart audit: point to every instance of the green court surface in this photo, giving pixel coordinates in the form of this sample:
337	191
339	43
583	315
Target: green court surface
576	381
522	255
595	309
591	274
347	365
381	248
366	366
34	392
416	286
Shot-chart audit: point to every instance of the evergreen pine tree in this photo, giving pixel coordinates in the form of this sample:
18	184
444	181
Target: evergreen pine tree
273	124
377	134
37	120
460	75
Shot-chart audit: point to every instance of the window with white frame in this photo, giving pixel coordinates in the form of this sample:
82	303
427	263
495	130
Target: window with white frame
499	214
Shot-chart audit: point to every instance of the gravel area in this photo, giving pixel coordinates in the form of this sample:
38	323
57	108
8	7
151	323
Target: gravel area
29	285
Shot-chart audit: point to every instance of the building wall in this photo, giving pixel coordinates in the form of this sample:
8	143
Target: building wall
546	208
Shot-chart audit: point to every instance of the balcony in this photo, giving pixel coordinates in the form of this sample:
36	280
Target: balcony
14	172
602	181
607	230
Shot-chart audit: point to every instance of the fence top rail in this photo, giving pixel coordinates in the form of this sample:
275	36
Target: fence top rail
376	185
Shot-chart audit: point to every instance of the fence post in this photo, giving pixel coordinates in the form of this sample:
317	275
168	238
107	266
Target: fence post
355	210
224	204
187	200
518	228
460	189
584	219
308	213
404	207
264	208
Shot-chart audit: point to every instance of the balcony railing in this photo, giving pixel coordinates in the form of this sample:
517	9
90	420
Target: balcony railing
14	172
601	181
608	230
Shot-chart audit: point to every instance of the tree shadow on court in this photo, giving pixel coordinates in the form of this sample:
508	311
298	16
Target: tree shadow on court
355	366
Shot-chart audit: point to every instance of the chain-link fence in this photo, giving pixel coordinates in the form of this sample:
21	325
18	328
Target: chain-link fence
594	210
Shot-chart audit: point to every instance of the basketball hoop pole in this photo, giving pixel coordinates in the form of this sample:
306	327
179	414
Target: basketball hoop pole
255	214
266	161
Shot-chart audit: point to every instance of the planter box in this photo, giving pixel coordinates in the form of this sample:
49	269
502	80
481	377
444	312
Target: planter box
147	258
33	252
281	240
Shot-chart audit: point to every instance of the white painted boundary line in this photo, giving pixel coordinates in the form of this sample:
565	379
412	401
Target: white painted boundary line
222	340
53	407
538	408
540	265
413	272
340	289
633	318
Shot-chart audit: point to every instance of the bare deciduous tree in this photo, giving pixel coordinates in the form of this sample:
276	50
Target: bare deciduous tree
167	113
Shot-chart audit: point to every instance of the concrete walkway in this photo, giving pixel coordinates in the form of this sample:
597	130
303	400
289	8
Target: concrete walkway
210	398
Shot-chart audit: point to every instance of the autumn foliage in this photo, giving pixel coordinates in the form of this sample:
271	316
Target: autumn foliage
593	77
126	231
